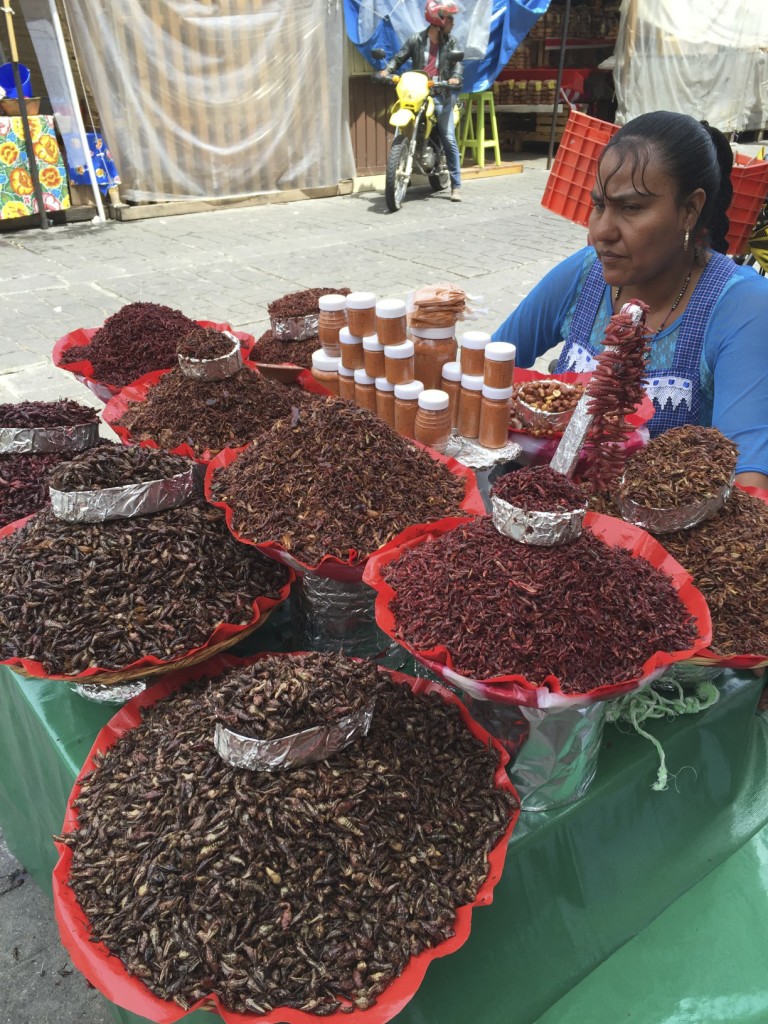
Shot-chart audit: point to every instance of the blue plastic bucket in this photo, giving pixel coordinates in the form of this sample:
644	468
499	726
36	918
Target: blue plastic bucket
8	83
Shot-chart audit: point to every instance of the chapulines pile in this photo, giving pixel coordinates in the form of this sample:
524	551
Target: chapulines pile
269	349
116	467
210	414
337	479
303	303
727	556
82	595
139	338
31	415
539	489
205	343
680	467
309	889
503	608
280	696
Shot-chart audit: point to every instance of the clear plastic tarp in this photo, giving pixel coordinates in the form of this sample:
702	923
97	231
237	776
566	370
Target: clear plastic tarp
223	100
695	57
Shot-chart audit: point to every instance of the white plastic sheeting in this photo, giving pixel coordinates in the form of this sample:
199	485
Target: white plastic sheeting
472	28
697	57
220	99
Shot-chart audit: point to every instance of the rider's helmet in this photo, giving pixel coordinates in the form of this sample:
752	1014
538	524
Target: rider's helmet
437	11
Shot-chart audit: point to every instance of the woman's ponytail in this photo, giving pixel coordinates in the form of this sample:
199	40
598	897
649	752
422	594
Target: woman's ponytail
718	223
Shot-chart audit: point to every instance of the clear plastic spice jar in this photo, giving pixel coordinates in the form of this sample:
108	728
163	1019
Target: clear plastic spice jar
451	384
391	324
325	370
433	347
351	349
406	406
499	365
470	398
385	400
365	390
495	408
346	382
398	363
433	419
361	313
473	352
331	319
373	356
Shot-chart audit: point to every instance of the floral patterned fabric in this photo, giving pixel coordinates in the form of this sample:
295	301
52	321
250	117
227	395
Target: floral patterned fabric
103	165
17	193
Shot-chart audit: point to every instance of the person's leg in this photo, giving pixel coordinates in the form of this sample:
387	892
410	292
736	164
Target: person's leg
447	129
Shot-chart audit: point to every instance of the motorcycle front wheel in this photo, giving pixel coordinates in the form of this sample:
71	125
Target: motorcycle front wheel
397	180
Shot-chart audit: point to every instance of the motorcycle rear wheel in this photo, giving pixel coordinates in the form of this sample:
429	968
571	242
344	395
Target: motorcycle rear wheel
396	182
440	178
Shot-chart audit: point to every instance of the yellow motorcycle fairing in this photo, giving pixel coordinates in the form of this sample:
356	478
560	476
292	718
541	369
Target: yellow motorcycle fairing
412	89
400	116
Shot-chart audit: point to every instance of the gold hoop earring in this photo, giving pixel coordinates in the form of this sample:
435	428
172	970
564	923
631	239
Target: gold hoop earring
687	236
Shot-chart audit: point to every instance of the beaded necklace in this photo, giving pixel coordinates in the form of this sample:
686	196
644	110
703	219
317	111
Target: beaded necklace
672	308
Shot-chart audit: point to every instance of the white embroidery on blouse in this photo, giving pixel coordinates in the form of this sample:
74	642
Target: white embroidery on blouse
580	360
663	389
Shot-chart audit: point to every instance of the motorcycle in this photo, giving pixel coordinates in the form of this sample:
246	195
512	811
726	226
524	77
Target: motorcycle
417	146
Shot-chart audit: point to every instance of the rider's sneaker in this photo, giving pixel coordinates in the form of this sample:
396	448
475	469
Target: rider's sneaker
455	195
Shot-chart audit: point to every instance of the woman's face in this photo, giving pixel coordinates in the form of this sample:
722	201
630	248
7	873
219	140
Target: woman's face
638	236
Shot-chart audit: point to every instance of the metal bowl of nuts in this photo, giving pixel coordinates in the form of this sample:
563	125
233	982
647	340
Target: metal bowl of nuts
545	406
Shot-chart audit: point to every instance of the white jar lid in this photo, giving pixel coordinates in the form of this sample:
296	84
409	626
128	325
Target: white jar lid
410	391
433	399
320	361
382	384
452	371
403	351
500	351
361	300
389	309
475	339
346	337
361	377
332	303
371	343
433	332
344	371
470	382
498	394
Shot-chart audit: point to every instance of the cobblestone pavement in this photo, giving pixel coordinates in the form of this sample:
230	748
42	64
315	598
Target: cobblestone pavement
227	266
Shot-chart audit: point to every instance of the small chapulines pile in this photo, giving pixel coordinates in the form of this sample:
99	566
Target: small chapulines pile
539	489
139	338
210	414
335	479
269	349
31	415
298	304
504	608
205	343
365	860
117	467
75	596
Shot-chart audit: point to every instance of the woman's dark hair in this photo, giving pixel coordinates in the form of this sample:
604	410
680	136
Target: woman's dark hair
693	153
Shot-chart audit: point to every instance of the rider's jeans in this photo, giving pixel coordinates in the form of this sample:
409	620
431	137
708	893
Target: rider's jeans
444	109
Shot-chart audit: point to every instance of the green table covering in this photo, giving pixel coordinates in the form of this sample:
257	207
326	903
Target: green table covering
579	882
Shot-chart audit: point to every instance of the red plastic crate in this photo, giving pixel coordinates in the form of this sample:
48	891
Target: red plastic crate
572	177
750	188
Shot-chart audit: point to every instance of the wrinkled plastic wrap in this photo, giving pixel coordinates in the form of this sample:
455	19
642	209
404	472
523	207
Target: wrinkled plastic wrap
667	520
544	529
670	52
284	752
21	440
101	504
213	369
216	101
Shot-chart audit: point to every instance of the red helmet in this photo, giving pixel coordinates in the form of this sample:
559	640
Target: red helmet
436	11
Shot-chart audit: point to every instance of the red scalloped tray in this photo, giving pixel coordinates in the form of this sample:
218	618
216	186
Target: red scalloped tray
109	976
117	406
262	608
515	688
83	369
331	566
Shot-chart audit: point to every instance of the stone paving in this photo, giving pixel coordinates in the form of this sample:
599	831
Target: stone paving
227	266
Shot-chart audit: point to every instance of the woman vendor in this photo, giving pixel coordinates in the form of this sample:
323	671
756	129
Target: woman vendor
657	233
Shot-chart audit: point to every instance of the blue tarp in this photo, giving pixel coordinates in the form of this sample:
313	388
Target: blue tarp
489	30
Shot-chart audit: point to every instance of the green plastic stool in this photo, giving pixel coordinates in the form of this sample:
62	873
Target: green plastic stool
476	106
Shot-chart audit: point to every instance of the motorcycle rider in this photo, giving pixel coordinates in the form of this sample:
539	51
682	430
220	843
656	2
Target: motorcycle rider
430	51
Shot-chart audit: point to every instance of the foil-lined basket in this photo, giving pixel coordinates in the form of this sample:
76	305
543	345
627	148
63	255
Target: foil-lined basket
534	418
294	750
667	520
119	694
214	369
97	506
543	529
23	440
295	328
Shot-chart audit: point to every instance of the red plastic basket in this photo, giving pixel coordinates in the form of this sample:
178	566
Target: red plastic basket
750	187
570	182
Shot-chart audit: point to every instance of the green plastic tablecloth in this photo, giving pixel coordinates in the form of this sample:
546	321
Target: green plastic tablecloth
579	882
